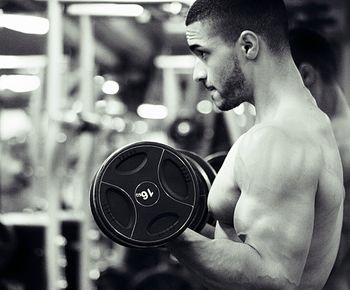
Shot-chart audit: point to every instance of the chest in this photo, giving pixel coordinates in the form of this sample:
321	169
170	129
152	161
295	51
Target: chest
225	193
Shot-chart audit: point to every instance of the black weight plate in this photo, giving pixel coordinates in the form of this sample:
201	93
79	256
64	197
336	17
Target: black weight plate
144	195
216	159
206	166
201	168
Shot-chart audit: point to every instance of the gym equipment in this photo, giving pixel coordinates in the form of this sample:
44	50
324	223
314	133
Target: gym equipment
147	193
8	245
27	269
216	159
163	277
186	131
29	251
206	180
81	123
113	279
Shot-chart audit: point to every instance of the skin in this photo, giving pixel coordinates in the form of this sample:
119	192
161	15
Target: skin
278	197
331	100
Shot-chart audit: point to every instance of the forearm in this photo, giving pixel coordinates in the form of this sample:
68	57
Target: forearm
222	263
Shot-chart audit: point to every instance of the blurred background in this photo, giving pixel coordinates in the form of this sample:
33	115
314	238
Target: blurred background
78	80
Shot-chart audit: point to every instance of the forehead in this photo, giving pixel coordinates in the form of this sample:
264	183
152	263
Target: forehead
198	33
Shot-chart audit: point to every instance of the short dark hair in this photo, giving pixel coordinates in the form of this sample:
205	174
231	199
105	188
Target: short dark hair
229	18
308	46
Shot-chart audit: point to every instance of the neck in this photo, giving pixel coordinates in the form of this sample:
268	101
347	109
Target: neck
275	83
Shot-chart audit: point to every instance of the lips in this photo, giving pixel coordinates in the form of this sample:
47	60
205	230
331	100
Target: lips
214	95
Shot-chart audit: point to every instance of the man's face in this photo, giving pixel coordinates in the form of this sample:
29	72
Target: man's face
217	67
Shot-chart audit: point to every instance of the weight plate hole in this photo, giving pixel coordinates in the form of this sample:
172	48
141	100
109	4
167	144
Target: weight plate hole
162	223
174	180
131	164
121	208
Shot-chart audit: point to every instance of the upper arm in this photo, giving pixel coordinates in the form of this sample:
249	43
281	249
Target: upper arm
276	209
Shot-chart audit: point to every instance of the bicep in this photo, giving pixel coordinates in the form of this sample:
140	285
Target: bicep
277	207
281	232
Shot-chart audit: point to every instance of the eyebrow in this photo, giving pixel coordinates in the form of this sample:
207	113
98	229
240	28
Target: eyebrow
195	47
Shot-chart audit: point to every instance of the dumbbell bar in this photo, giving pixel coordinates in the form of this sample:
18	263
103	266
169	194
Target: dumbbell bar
148	193
216	159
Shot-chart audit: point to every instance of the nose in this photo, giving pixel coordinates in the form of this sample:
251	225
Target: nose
199	72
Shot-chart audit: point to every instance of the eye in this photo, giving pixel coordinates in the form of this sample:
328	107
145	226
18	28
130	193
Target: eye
202	54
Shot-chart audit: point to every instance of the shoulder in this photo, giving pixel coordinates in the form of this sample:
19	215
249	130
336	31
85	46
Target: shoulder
269	138
265	133
279	151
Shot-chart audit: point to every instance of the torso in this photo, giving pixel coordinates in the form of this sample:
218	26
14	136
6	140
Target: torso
228	204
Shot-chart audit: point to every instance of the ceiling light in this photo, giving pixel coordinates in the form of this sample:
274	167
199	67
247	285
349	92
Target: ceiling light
205	107
25	23
122	10
110	87
174	61
22	61
156	112
184	128
173	8
14	123
19	83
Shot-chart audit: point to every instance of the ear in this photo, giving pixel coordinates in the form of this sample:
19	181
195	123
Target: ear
249	44
308	73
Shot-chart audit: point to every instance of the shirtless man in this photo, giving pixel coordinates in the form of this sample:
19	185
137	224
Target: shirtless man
317	64
278	197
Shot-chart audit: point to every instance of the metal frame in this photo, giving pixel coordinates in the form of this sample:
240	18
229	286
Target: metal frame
185	2
54	95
